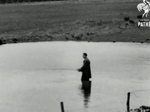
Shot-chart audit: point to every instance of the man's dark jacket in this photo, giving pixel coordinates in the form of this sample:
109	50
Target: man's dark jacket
86	70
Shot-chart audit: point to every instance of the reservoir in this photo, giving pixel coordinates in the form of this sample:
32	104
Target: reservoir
36	77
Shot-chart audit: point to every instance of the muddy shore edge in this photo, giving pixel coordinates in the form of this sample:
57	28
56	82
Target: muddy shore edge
100	22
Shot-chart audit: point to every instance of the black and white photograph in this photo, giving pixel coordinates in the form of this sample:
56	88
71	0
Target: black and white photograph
74	55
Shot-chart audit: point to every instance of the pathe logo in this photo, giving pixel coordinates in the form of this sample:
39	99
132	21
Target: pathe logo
145	6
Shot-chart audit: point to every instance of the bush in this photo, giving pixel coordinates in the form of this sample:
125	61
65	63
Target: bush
1	42
15	40
79	37
126	18
139	16
131	21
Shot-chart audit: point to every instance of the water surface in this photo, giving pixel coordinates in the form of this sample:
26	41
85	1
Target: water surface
36	77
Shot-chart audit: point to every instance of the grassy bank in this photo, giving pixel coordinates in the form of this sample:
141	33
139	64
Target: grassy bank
77	22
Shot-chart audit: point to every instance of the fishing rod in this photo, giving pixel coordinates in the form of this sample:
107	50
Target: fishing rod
62	69
55	69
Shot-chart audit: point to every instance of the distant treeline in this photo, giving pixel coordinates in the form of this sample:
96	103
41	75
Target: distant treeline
20	1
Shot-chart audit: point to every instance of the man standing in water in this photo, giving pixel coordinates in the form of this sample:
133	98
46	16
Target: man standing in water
85	69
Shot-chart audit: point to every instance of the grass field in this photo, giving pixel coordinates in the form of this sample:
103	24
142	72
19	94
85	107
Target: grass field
79	22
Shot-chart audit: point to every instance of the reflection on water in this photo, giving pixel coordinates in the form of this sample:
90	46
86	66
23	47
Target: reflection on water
86	91
35	77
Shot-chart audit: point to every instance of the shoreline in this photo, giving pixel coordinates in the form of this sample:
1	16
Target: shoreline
90	31
71	22
20	42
